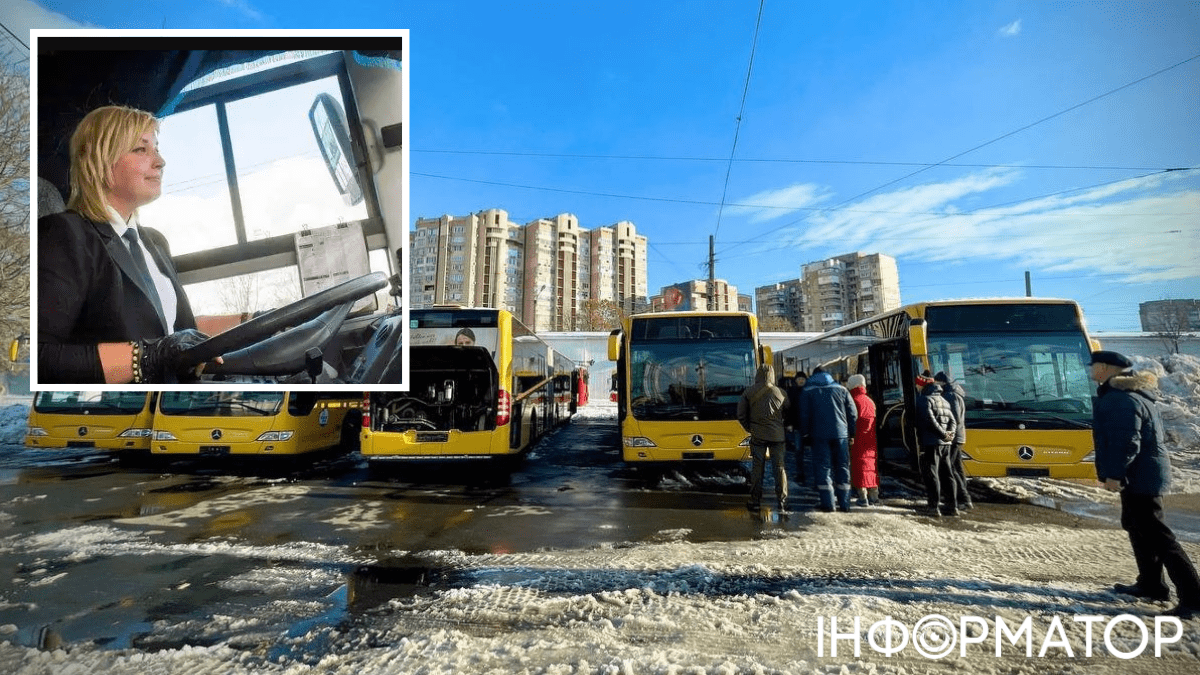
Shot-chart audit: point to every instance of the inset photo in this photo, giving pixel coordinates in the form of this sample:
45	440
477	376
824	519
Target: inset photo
219	210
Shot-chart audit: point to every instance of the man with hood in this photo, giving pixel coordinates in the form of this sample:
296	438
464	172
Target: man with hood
761	411
1131	457
935	434
954	394
829	419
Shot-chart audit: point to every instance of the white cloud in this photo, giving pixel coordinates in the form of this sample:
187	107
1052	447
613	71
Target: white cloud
1011	30
22	16
243	7
770	204
1145	228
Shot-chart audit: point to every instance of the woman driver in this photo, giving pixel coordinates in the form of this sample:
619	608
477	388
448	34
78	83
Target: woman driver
110	305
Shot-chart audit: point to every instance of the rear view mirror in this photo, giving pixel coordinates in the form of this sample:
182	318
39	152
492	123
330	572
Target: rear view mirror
328	122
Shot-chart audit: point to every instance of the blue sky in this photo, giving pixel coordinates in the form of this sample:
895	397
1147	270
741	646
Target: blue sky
972	141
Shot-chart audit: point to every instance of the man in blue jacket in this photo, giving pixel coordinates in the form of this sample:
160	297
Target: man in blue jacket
1131	458
828	417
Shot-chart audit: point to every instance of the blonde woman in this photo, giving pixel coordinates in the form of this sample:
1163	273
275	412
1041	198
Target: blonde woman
110	305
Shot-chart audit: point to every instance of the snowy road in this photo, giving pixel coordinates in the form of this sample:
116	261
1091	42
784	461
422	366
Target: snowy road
572	564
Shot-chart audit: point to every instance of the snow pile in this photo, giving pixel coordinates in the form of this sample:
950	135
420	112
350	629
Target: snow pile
12	424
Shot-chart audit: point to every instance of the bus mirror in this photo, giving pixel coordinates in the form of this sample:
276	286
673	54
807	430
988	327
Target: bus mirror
328	122
768	356
13	350
614	345
916	339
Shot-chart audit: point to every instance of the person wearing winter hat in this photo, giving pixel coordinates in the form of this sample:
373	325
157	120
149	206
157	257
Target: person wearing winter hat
864	474
935	434
956	396
1131	458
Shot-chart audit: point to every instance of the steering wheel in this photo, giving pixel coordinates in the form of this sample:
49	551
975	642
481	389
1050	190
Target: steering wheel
262	327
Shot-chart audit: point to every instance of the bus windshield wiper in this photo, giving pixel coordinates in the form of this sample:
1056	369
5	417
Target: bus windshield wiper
1020	416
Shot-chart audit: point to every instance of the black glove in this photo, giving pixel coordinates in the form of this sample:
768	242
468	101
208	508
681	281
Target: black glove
160	357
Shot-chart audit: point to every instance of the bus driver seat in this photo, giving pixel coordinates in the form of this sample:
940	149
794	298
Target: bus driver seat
49	199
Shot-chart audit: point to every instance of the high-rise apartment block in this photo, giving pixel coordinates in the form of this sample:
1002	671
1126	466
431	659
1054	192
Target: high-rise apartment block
833	292
546	272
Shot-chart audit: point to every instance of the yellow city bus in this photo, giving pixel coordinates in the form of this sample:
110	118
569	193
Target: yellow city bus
679	377
245	423
105	420
482	386
1022	362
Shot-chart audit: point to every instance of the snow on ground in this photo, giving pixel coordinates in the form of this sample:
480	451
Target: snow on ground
975	596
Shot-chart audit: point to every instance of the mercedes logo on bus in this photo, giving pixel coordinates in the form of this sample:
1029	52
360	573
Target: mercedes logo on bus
216	434
697	440
1025	452
82	431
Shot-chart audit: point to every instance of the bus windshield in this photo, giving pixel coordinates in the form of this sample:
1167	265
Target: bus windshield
689	379
90	402
1031	379
222	403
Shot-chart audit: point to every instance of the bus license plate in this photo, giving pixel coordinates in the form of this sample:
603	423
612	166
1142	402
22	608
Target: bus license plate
81	444
433	436
214	450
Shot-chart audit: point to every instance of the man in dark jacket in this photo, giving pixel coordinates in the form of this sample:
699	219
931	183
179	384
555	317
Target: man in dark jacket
761	411
802	459
828	419
1131	457
954	394
935	435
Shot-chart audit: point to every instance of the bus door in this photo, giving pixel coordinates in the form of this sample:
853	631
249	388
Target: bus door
891	386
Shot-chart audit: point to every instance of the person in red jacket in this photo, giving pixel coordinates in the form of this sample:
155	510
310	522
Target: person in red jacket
864	475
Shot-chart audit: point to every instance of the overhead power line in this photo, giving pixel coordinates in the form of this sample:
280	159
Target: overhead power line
741	111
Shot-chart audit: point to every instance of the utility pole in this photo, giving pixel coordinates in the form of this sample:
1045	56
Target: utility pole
1028	285
712	275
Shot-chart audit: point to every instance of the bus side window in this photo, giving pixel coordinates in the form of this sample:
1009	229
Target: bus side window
301	404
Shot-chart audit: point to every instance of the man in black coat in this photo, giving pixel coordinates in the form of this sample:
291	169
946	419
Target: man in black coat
1131	457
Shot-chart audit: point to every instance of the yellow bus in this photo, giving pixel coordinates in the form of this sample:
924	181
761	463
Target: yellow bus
105	420
245	423
1022	362
679	377
483	385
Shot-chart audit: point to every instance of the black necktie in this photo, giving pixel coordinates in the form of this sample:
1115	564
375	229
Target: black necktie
139	261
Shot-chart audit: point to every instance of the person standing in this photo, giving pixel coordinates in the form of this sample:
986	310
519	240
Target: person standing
828	418
935	434
954	394
802	461
761	411
1131	458
864	473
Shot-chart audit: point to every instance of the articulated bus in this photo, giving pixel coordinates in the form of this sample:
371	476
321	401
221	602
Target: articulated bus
253	423
1022	361
678	380
483	385
285	190
105	420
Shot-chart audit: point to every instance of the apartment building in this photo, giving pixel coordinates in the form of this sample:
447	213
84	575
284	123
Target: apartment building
545	271
832	292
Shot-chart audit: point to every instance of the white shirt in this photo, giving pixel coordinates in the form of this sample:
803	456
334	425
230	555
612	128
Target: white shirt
166	290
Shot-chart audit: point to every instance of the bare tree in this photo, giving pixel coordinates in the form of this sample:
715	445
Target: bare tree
1174	322
14	207
601	315
777	324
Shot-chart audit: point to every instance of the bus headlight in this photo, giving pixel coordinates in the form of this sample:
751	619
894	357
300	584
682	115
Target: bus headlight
1090	457
137	433
164	436
276	436
745	442
37	431
639	442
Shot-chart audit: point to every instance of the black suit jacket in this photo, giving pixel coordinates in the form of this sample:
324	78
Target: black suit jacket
89	292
